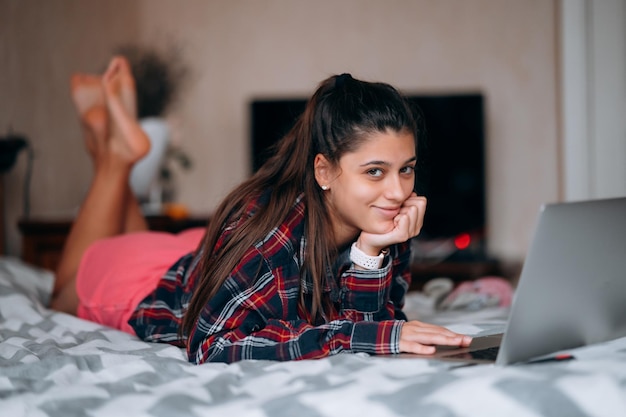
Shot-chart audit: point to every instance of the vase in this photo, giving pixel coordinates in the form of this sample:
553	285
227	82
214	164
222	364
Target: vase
145	172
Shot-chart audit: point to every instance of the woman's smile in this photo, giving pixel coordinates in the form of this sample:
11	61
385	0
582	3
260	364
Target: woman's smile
387	212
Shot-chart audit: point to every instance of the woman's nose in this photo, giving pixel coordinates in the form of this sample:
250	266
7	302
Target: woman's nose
395	189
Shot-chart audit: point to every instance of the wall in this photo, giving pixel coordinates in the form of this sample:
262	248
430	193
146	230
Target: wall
41	44
242	49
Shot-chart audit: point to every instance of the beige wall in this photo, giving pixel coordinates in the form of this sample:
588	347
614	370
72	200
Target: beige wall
242	49
41	44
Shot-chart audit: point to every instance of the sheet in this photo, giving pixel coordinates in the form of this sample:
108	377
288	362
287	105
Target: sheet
53	364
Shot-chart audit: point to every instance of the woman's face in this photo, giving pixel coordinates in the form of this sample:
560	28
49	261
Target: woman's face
370	185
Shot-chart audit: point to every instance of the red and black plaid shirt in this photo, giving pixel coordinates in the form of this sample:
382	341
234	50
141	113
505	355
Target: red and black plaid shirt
256	315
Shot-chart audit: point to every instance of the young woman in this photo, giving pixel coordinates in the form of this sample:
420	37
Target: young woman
307	258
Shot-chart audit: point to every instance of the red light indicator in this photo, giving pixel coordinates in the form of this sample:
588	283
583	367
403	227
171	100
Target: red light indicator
462	241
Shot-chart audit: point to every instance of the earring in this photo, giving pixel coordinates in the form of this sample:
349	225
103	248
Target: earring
324	187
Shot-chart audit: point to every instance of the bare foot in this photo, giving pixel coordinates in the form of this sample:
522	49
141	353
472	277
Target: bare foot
127	139
88	98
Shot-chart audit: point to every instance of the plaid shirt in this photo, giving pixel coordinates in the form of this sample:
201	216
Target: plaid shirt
256	314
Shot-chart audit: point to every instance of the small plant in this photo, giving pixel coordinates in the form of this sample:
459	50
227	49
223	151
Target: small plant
159	76
174	155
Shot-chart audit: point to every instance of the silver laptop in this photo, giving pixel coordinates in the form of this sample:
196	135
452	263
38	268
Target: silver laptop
572	289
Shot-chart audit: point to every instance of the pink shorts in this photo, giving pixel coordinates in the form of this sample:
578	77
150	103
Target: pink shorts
116	273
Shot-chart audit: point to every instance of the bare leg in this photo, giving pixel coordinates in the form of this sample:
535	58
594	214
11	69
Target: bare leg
134	220
124	111
90	104
89	100
103	213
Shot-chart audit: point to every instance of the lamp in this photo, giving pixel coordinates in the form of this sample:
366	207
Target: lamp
10	147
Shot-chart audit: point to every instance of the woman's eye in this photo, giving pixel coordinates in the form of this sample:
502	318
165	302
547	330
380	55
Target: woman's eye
375	172
408	170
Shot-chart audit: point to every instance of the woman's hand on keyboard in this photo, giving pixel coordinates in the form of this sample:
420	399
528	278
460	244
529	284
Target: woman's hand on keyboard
421	338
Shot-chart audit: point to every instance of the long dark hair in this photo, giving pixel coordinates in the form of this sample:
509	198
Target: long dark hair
337	119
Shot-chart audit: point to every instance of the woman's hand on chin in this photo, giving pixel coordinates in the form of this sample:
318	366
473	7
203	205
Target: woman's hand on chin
406	225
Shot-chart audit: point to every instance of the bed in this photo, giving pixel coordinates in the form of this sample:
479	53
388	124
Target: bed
53	364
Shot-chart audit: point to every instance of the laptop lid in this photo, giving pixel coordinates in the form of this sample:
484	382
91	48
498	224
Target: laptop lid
572	288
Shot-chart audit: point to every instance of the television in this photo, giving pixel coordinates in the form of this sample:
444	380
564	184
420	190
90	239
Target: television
450	170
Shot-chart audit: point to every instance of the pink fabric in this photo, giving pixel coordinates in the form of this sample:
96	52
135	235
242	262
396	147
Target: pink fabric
482	292
116	273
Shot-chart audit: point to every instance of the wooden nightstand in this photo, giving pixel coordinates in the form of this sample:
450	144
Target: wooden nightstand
43	239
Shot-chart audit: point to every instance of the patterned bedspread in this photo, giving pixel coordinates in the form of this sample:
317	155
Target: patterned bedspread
52	364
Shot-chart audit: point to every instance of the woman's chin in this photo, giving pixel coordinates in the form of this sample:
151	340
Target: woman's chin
380	229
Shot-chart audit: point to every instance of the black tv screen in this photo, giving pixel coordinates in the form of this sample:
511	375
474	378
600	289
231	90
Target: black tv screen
451	168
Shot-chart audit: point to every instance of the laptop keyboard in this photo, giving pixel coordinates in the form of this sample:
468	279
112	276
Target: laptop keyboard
489	354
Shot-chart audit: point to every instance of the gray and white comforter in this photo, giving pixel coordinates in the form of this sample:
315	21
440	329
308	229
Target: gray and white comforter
52	364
